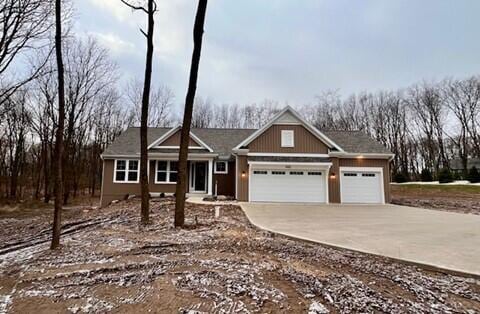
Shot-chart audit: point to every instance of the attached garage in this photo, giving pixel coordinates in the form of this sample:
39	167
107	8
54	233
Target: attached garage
361	185
288	184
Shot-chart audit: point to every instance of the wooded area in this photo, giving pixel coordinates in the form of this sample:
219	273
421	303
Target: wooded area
425	125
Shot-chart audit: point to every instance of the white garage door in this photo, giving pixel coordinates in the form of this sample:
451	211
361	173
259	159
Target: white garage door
282	185
361	186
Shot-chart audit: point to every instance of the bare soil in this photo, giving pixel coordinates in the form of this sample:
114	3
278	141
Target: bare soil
460	199
108	263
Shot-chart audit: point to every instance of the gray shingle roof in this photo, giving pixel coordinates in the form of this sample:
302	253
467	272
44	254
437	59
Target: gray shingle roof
222	141
356	142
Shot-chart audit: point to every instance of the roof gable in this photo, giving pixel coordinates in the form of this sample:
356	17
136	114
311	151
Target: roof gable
289	116
175	132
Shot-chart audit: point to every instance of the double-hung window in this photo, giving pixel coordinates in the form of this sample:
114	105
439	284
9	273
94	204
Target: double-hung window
166	171
126	171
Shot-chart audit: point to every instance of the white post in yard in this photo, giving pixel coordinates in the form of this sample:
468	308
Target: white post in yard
217	211
210	176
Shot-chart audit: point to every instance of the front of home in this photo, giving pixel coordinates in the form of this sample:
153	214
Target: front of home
287	160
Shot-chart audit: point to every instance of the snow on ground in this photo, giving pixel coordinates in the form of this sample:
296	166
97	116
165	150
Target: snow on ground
223	265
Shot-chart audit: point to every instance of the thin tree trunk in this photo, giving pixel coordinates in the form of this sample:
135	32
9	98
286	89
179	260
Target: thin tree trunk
187	115
57	216
145	208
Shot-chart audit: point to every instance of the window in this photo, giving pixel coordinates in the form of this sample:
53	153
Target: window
166	172
221	167
126	170
296	173
287	138
349	174
260	172
278	172
314	173
368	174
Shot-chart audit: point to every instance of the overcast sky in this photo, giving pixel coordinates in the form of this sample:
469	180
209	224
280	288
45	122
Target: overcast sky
291	50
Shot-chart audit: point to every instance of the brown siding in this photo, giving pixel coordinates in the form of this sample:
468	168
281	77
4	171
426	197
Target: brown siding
334	184
242	183
174	140
304	141
115	191
118	191
225	182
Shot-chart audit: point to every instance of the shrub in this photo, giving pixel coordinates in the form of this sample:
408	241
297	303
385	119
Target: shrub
473	175
400	177
445	176
426	175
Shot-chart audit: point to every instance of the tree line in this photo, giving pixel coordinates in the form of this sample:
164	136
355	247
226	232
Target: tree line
426	125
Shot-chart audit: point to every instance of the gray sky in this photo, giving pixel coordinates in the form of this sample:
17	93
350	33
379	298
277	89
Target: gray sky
291	50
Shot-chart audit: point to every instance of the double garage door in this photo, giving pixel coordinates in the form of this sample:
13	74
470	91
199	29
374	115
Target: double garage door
310	186
284	185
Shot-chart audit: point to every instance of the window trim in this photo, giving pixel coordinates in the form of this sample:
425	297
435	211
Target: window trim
127	170
220	172
167	172
284	133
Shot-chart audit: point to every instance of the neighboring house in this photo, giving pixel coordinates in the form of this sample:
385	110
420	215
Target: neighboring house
456	165
287	160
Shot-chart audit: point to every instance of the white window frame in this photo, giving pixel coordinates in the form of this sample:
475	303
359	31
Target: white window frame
127	170
285	134
220	172
167	172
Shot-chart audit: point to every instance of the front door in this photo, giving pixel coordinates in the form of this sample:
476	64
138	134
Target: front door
198	177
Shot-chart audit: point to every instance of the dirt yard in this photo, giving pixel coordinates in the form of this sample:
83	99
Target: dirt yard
109	264
455	198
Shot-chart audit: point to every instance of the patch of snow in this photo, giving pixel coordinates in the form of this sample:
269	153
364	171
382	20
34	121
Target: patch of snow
317	308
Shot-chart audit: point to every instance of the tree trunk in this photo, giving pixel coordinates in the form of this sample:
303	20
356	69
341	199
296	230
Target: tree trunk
145	219
187	115
57	215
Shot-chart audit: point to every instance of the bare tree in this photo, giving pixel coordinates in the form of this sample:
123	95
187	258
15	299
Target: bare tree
202	116
150	11
159	109
187	115
57	216
463	99
25	28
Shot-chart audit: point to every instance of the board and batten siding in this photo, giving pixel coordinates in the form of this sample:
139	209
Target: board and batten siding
334	183
242	183
270	141
174	140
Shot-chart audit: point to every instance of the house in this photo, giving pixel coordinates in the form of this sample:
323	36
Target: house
287	160
456	165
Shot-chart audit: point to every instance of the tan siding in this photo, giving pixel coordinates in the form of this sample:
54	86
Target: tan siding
304	141
174	140
225	182
383	163
242	183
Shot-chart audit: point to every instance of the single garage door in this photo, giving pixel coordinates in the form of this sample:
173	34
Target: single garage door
282	185
361	186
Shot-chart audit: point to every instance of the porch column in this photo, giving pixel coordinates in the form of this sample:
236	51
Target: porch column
210	177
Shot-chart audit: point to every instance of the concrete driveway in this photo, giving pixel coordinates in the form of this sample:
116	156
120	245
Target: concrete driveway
440	239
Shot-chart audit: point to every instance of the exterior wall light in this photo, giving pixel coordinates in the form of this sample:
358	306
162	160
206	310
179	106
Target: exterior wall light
332	175
244	174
